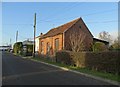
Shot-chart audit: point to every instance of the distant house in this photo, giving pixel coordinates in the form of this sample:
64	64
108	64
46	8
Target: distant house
37	42
59	38
27	42
27	47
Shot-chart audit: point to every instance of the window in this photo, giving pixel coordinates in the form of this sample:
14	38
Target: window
42	47
48	48
57	44
80	26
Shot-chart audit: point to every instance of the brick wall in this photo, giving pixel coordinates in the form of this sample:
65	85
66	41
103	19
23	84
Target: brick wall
83	30
51	40
64	38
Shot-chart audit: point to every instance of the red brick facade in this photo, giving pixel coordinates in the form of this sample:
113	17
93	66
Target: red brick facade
51	41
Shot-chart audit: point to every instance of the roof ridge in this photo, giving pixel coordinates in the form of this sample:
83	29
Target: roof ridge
73	23
67	23
61	28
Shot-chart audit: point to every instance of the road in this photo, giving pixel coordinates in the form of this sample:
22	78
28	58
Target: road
19	71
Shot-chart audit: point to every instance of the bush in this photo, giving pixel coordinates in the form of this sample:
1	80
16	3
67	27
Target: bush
50	58
63	57
28	51
100	61
29	48
99	46
115	46
17	48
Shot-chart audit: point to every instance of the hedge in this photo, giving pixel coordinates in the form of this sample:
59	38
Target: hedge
17	48
29	50
99	46
63	57
100	61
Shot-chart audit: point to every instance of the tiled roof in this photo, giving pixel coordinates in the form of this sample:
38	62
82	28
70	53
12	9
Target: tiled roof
60	29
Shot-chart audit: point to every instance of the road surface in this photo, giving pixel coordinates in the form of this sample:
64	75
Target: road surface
19	71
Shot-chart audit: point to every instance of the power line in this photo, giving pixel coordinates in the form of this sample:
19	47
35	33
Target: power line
95	13
108	21
20	37
20	24
65	8
100	12
87	22
71	7
40	21
84	15
103	21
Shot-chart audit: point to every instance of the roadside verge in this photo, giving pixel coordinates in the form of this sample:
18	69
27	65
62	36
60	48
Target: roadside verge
57	65
74	71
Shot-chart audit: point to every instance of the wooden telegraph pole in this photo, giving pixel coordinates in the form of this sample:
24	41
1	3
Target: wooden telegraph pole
34	35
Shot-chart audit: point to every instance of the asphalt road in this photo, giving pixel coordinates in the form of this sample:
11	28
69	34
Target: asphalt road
19	71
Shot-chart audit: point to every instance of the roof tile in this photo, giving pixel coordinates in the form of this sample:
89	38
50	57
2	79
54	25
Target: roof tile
60	29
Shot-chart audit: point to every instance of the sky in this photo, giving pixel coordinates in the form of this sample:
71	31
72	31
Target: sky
19	16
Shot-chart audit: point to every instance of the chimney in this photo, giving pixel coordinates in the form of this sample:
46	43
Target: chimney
41	34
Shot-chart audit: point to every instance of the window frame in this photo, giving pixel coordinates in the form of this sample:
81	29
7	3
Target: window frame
42	47
48	47
57	44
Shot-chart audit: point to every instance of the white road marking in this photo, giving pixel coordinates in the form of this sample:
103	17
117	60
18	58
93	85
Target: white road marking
28	74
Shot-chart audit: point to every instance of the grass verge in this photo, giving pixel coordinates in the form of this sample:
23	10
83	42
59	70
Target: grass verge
84	70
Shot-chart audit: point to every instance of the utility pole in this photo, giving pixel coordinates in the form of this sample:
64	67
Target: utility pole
16	36
34	34
10	43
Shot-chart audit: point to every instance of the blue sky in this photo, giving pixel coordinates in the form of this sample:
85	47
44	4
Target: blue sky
98	16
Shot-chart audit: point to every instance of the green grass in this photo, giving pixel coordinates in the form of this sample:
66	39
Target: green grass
99	74
84	70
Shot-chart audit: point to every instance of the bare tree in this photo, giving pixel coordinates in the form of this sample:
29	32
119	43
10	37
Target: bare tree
116	44
105	36
77	41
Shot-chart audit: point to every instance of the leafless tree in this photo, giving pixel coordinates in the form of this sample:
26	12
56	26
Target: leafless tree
116	44
105	36
77	41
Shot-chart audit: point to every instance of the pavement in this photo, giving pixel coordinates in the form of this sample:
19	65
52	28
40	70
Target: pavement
20	71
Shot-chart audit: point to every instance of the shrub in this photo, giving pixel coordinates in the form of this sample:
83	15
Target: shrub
28	51
29	48
99	46
100	61
63	57
17	48
115	46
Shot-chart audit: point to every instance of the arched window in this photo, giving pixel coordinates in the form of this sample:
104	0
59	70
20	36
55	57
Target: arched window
57	44
48	48
42	47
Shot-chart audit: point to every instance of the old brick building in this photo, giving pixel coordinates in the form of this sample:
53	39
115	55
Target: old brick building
59	38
